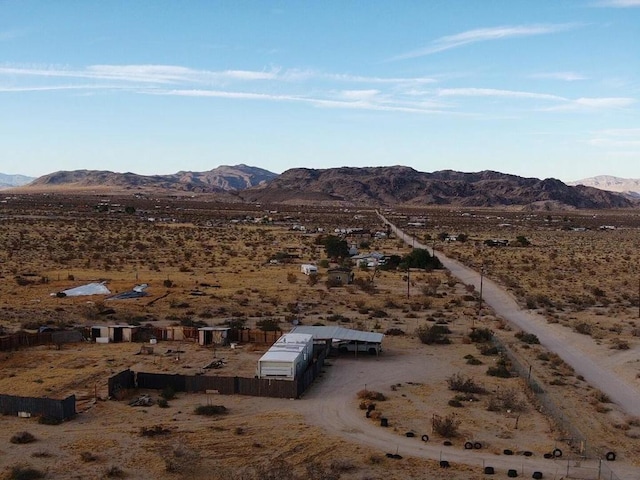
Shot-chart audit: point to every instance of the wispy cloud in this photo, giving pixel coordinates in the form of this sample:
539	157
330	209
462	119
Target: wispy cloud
586	104
617	138
275	84
618	3
490	92
564	76
483	35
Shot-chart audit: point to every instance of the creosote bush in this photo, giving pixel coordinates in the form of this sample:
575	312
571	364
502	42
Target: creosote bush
22	438
210	410
24	472
459	383
481	335
446	427
434	334
371	395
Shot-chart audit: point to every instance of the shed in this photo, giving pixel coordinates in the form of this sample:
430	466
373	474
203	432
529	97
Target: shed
340	275
213	335
100	331
287	358
122	333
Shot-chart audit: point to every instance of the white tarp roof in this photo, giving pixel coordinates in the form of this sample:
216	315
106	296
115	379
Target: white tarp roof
339	333
88	289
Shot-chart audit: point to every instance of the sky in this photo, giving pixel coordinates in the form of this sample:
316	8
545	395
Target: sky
536	88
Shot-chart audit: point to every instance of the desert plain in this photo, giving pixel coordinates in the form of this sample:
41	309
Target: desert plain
215	264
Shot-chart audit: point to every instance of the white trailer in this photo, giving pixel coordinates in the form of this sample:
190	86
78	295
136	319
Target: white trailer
308	269
287	358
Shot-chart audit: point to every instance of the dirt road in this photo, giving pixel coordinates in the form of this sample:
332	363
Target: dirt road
331	403
579	351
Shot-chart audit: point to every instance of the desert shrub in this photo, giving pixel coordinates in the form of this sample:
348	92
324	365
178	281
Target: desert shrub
336	317
394	332
365	284
601	397
454	402
114	472
459	383
446	427
481	335
583	328
528	338
379	314
488	350
168	393
88	457
163	403
619	344
371	395
22	438
510	400
434	334
181	460
24	472
210	410
268	325
45	420
154	431
473	360
42	454
501	369
292	277
342	465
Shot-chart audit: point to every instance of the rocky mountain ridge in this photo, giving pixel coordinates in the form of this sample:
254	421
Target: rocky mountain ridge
356	186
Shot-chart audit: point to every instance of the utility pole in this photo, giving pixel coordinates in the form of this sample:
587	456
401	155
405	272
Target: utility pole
480	299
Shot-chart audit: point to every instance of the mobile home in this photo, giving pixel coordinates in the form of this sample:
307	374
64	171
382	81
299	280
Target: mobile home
287	358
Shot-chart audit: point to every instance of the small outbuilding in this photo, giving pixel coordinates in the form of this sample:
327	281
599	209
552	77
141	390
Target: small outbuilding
287	358
114	333
340	275
213	336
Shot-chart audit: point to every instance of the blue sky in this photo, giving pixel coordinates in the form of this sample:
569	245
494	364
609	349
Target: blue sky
538	88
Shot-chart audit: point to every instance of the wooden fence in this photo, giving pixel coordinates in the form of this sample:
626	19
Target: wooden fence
45	407
257	387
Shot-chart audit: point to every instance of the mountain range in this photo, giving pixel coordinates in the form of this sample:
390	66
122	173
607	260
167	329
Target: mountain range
628	186
222	179
351	186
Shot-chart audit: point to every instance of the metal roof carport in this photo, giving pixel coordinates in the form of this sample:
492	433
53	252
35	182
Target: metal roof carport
329	334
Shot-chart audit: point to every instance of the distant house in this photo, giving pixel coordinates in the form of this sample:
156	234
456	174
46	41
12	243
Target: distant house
340	276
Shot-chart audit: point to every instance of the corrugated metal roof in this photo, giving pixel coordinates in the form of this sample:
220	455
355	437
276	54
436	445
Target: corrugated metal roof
339	333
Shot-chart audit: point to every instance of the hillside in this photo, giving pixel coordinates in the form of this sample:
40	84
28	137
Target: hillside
403	185
10	181
221	179
629	186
